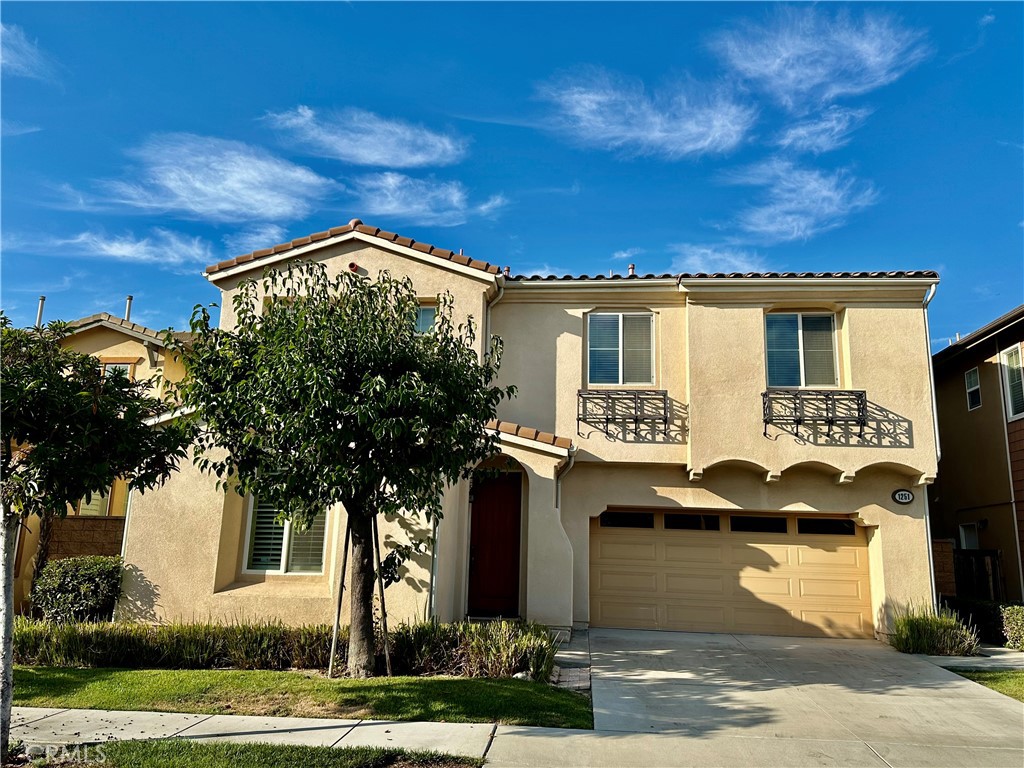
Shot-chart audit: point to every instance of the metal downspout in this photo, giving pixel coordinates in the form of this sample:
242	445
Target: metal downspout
938	449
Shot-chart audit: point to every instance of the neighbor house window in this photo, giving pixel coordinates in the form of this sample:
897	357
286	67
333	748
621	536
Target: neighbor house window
801	350
425	319
126	367
1014	383
276	548
620	348
973	382
104	504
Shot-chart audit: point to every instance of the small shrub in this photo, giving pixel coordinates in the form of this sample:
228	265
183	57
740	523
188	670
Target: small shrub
78	589
1013	626
985	615
919	629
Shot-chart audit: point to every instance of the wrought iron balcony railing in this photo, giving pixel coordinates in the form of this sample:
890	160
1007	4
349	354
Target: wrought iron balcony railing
604	407
829	407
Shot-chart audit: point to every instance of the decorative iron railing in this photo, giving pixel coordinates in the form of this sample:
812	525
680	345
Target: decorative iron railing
606	407
828	407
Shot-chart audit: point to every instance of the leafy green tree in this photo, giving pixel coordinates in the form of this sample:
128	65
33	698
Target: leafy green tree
67	432
324	393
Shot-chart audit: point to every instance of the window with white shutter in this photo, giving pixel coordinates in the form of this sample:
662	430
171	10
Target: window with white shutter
800	350
277	548
1014	382
620	348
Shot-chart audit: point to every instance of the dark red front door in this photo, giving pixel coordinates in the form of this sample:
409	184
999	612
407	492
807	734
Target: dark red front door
494	545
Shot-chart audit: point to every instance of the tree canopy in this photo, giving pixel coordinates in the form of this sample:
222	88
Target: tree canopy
324	393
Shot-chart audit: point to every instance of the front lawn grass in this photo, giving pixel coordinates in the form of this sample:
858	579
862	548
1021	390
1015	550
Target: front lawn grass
1009	682
178	752
300	694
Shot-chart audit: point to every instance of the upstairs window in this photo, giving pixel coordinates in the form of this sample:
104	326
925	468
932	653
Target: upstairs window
276	548
801	350
973	382
620	348
425	319
104	504
108	368
1014	382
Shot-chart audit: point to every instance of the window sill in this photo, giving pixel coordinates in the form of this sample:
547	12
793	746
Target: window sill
278	585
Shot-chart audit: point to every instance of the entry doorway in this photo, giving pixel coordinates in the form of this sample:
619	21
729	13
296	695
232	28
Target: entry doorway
494	546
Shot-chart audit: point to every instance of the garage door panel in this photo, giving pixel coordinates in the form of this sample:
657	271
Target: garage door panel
759	555
708	552
847	557
702	581
627	580
831	589
681	583
628	614
643	551
772	586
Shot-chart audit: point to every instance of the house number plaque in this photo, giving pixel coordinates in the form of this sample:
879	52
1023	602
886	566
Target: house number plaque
902	496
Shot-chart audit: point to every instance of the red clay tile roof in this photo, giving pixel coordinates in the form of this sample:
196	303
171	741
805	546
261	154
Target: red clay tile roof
528	433
356	226
928	274
105	317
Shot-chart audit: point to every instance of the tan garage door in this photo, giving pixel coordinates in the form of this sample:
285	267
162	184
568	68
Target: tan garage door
753	574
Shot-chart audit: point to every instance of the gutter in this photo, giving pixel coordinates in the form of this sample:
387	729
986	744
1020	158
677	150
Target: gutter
938	448
562	473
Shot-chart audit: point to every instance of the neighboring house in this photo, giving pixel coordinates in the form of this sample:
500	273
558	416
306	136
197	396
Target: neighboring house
96	527
978	501
715	453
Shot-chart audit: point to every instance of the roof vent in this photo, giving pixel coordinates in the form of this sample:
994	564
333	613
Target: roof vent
507	271
355	222
632	270
128	308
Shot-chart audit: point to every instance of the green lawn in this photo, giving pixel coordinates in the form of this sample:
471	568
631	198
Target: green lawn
298	694
1007	681
176	752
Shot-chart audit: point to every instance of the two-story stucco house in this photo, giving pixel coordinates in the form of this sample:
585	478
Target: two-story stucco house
978	501
716	453
96	526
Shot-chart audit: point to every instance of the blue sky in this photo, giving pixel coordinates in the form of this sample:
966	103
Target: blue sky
144	141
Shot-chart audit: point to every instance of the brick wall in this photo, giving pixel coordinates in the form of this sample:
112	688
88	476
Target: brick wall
942	558
1015	434
74	536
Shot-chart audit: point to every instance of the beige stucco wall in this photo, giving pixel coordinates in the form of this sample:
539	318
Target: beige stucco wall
882	349
184	555
897	548
469	287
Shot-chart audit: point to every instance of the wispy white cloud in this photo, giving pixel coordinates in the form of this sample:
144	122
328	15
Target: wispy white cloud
22	57
364	138
420	201
806	55
161	247
983	23
600	109
694	258
200	177
254	238
799	203
9	128
627	253
830	130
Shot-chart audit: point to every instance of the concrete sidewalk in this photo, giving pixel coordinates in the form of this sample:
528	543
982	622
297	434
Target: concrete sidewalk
991	657
42	727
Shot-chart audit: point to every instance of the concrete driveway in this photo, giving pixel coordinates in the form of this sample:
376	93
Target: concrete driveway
854	702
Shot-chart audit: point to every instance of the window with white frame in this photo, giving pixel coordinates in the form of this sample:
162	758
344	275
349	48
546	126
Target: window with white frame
801	349
425	319
620	348
1014	384
973	383
110	367
276	548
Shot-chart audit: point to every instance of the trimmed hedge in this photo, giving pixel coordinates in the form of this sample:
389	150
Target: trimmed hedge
1013	626
493	649
918	629
78	589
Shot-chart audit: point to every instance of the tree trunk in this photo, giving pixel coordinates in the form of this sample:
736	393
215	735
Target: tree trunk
8	539
361	645
43	550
